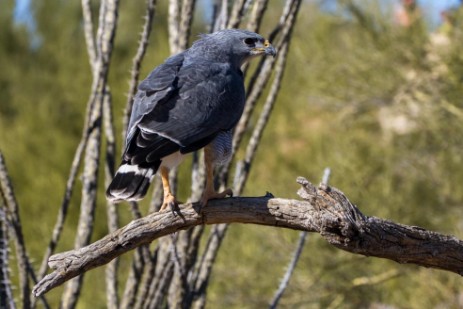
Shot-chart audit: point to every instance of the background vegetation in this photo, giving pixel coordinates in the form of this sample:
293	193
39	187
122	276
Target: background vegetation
376	100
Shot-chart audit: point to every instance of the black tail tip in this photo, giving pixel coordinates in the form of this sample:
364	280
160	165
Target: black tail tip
130	183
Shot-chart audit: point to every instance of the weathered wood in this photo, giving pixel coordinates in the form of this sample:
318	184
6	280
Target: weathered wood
324	210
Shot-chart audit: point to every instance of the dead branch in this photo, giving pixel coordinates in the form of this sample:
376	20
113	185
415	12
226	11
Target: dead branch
12	211
100	90
296	254
324	210
6	294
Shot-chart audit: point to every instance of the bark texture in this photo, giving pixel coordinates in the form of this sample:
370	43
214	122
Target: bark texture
324	210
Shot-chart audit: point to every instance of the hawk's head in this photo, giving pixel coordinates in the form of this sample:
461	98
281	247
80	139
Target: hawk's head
233	45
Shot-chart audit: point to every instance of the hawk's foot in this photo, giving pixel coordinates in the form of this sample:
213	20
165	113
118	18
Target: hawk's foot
169	202
212	195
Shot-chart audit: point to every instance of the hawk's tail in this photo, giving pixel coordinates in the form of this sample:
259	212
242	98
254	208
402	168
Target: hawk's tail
130	183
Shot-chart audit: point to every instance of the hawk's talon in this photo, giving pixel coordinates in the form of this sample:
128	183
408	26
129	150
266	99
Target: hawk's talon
211	195
169	202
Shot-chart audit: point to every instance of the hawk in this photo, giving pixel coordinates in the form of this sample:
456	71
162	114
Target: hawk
191	101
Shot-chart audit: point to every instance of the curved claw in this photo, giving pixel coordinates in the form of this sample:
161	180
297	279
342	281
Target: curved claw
211	195
169	202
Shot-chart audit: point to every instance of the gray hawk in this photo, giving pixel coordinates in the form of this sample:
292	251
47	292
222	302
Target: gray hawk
193	100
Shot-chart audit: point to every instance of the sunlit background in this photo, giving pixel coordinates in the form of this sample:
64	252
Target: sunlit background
373	90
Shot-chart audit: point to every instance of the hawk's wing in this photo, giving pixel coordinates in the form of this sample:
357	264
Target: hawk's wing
183	107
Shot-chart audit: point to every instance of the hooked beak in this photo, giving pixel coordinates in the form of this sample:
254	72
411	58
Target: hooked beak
264	48
269	49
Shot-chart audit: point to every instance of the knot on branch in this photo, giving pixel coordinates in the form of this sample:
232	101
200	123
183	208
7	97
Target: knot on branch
341	221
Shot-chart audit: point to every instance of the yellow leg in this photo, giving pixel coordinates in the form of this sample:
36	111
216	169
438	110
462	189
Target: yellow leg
209	192
169	198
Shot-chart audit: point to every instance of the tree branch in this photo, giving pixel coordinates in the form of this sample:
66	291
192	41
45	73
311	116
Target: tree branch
325	210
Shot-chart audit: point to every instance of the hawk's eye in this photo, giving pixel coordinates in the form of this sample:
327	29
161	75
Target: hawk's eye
249	41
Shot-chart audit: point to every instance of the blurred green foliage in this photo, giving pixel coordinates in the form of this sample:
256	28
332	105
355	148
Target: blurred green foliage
378	103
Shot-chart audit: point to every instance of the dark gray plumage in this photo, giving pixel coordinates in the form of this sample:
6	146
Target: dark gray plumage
182	106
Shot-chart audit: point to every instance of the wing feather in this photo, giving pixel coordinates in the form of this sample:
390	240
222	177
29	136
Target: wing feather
183	107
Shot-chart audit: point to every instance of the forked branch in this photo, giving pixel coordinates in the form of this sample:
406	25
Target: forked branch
324	210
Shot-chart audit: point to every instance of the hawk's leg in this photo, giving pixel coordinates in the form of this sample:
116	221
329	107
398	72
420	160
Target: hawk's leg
209	192
169	198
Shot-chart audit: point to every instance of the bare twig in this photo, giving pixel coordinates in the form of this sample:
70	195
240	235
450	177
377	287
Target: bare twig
186	19
105	37
12	211
88	32
174	24
62	213
289	271
112	298
243	168
204	270
145	281
251	149
257	14
6	296
137	60
261	75
139	262
236	14
325	210
158	288
178	287
297	253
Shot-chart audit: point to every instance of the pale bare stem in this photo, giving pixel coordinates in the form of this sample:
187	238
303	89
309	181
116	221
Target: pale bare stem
92	51
216	15
140	262
289	271
178	287
87	207
186	19
243	168
257	14
110	156
140	259
260	77
224	14
326	176
62	213
297	253
145	281
159	286
174	24
12	211
105	37
136	62
159	290
6	295
219	231
88	32
202	275
112	298
262	121
236	14
283	19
